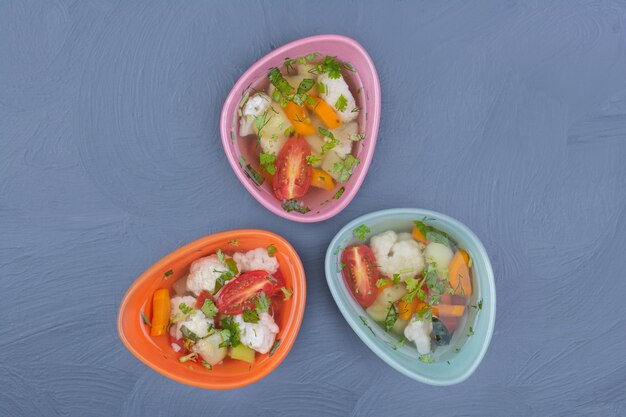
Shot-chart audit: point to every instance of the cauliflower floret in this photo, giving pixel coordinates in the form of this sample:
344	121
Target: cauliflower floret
395	256
176	314
334	88
203	273
258	336
343	134
254	107
254	260
404	236
418	331
210	350
196	322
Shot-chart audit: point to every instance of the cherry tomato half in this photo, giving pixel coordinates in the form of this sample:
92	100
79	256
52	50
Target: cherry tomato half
241	292
293	175
360	273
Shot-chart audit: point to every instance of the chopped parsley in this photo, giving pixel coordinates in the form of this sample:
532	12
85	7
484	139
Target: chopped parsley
341	103
344	169
357	137
206	365
305	85
397	345
188	333
381	282
274	347
260	122
262	303
470	263
168	274
287	292
294	205
361	231
321	88
426	359
366	324
190	357
251	173
250	316
271	250
313	159
185	308
396	279
329	65
470	332
478	306
391	317
209	309
328	145
339	193
220	256
267	162
230	332
281	84
145	319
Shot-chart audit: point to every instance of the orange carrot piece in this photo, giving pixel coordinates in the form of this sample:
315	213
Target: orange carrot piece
299	118
324	111
320	179
447	310
417	235
160	312
465	256
405	310
459	273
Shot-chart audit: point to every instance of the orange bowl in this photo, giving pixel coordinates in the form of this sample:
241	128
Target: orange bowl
157	353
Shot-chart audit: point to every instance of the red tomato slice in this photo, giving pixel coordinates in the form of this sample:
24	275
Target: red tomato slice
293	175
241	292
203	296
360	273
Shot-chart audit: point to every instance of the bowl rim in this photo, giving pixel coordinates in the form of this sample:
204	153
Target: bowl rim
288	339
359	329
233	98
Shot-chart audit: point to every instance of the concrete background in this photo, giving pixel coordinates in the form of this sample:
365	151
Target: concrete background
510	116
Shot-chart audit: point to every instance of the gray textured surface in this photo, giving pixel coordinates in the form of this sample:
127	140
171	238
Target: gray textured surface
509	116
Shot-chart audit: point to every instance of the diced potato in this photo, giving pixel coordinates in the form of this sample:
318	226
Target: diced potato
342	134
391	294
242	353
275	124
399	325
272	145
328	163
210	350
441	254
377	311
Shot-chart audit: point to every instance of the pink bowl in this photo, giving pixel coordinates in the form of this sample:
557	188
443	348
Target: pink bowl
321	203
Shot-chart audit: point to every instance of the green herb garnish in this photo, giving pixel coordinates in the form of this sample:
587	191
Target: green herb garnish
381	282
287	292
470	332
250	316
209	309
168	274
206	365
190	357
357	137
305	85
185	308
271	250
361	231
345	168
267	162
274	347
396	279
321	88
281	84
220	256
397	345
230	332
341	103
145	319
390	318
327	146
188	333
478	306
313	159
251	173
329	65
339	193
294	205
426	359
366	324
262	303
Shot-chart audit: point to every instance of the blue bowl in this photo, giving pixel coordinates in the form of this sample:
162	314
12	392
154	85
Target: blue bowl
455	365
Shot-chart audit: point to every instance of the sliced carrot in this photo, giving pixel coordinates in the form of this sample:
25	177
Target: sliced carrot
160	312
405	310
320	179
465	256
448	310
299	118
324	111
459	273
385	285
417	235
